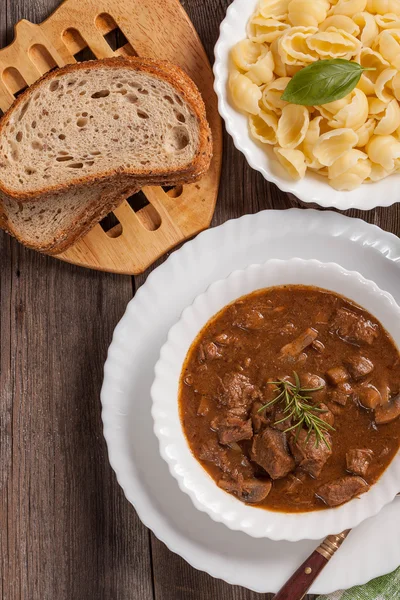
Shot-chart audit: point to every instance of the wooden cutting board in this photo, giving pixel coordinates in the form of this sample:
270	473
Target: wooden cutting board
149	225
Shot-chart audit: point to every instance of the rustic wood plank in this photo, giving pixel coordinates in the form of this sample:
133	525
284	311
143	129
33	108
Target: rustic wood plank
70	532
66	530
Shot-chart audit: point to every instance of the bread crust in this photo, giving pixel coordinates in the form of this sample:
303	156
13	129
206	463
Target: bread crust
164	70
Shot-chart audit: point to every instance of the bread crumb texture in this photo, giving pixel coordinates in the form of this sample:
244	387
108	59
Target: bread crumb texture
85	122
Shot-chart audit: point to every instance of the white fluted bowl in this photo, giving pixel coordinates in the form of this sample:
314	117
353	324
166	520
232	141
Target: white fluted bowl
174	448
313	188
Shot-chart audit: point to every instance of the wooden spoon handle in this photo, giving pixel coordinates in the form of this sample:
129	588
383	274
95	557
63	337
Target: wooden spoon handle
300	582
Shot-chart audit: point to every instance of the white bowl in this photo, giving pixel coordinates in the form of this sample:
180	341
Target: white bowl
191	476
313	188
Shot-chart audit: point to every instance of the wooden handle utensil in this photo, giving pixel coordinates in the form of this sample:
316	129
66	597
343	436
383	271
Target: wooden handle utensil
300	582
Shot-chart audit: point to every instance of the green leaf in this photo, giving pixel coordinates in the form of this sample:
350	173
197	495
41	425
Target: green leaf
323	81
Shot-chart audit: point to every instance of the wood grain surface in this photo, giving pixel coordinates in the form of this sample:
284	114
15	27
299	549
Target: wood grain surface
66	531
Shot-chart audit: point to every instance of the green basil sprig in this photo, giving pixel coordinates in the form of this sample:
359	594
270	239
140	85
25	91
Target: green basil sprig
323	81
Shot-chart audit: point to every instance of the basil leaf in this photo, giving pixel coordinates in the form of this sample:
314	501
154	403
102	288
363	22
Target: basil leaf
323	81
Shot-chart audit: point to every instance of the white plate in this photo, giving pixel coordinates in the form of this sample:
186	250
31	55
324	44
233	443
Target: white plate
261	565
192	478
313	188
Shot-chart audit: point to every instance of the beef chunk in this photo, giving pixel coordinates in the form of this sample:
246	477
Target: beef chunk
388	412
323	315
225	339
270	451
359	367
336	409
342	490
207	352
337	375
308	456
353	328
232	429
249	490
211	451
341	394
311	381
238	393
280	420
358	461
231	462
369	396
251	320
212	351
259	419
327	415
292	350
269	392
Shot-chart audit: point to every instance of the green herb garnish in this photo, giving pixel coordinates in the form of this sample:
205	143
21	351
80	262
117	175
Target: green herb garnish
323	81
297	407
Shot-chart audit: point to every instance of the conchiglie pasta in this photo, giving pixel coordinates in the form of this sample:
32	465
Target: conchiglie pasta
381	7
280	68
354	114
350	141
349	7
388	21
364	132
376	108
349	171
262	30
293	161
389	46
331	145
323	171
274	9
330	109
293	48
263	127
384	85
271	96
372	60
310	139
245	94
341	22
396	85
334	43
377	172
309	13
263	70
292	126
390	120
246	53
384	150
368	27
292	70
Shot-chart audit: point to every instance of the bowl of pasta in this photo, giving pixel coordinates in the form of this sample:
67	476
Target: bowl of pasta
310	93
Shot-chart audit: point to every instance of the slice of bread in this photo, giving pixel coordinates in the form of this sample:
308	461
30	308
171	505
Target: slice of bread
53	225
86	136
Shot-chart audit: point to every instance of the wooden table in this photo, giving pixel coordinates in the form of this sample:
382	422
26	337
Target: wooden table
66	530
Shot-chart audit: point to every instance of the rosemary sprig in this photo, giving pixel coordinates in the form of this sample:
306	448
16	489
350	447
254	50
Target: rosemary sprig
298	408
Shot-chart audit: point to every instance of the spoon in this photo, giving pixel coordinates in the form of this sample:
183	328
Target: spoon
300	582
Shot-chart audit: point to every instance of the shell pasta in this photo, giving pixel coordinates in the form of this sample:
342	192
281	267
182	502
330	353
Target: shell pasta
349	141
